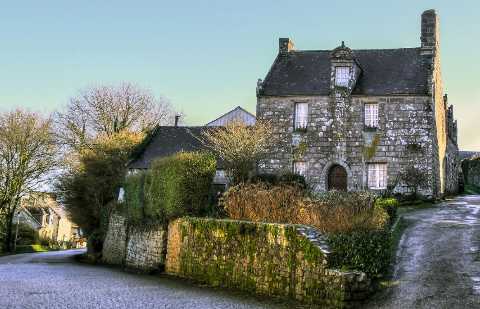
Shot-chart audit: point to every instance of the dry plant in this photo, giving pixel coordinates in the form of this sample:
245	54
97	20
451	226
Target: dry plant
331	212
239	146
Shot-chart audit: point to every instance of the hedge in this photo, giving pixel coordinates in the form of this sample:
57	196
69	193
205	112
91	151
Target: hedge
173	187
367	251
390	205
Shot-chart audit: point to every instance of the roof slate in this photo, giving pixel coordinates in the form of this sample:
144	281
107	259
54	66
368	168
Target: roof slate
384	72
168	140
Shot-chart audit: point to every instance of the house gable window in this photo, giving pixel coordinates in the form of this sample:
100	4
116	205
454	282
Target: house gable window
377	175
300	168
301	116
342	76
371	115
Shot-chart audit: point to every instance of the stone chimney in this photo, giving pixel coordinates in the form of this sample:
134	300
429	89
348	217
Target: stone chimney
177	118
285	45
430	36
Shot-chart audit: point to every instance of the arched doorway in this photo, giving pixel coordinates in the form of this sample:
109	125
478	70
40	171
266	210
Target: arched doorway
337	178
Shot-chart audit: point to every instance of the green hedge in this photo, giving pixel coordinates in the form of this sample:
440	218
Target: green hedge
390	205
367	251
173	187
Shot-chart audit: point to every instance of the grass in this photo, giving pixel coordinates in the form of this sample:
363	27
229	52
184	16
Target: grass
33	249
471	189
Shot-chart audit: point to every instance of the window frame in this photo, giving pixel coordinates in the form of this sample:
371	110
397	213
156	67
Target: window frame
344	78
379	168
303	124
297	171
372	110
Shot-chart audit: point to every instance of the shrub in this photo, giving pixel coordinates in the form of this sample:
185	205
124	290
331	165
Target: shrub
390	205
178	185
134	202
329	212
364	250
285	178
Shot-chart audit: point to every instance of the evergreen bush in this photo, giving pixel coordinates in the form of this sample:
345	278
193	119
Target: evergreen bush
390	205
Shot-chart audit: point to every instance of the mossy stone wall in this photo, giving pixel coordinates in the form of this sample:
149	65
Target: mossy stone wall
271	259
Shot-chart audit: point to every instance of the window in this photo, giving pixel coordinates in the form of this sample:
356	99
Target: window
342	76
301	115
377	175
300	168
371	115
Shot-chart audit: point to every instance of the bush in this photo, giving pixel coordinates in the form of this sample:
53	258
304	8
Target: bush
390	205
363	250
282	179
178	185
329	212
134	186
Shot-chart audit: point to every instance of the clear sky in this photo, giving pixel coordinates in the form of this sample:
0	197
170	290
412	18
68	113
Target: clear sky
206	56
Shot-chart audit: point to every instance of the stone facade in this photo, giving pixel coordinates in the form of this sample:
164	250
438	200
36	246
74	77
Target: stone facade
416	128
269	259
146	248
471	171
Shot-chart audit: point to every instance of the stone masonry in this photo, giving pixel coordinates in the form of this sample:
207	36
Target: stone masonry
416	127
114	246
146	248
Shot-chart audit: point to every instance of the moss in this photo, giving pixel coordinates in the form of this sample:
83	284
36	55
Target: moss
299	151
370	150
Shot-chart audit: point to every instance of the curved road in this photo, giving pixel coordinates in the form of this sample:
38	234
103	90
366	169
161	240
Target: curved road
438	267
55	280
438	262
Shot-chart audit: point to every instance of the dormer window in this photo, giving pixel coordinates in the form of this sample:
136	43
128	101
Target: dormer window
342	76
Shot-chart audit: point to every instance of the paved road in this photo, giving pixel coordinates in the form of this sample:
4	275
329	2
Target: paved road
54	280
438	259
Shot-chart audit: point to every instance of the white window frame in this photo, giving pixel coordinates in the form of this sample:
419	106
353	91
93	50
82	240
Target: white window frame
300	168
377	176
371	115
301	116
342	76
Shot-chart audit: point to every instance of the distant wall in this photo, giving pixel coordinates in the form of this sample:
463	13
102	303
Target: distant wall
271	259
471	171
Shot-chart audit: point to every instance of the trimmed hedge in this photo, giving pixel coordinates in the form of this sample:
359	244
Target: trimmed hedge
367	251
173	187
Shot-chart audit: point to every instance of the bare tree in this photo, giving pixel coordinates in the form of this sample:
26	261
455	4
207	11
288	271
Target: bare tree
106	110
27	155
239	146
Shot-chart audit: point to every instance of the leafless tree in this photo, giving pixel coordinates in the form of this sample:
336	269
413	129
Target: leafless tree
27	155
106	110
239	146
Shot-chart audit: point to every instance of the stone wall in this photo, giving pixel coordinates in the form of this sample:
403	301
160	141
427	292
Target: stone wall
114	246
139	248
405	137
471	171
270	259
146	248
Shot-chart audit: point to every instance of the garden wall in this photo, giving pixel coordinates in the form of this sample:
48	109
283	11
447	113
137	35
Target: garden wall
471	171
270	259
139	248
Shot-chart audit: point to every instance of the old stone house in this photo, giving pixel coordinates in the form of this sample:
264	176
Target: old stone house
359	119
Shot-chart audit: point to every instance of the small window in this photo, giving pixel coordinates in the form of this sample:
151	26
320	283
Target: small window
301	115
300	168
342	76
371	115
377	175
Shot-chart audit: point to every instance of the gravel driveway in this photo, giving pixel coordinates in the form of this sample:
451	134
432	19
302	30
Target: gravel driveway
54	280
438	259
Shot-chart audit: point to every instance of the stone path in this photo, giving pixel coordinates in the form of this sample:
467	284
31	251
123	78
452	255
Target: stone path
438	259
54	280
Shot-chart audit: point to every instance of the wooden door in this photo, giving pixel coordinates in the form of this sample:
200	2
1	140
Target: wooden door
337	178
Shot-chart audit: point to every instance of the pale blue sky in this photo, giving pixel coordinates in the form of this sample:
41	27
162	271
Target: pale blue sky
205	56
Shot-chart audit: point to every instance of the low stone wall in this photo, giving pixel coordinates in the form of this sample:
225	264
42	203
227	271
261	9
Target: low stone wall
139	248
114	246
271	259
146	248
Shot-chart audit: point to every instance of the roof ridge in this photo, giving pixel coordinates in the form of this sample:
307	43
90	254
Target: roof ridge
360	49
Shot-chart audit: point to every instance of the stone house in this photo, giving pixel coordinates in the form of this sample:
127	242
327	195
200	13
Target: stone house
359	119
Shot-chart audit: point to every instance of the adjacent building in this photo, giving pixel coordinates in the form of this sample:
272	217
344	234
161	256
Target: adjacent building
357	119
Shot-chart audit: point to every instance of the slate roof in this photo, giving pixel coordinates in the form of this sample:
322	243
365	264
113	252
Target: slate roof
384	72
238	113
467	154
167	140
